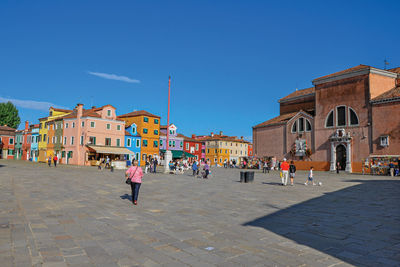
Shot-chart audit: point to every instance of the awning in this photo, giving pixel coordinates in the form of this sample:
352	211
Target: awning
178	154
111	150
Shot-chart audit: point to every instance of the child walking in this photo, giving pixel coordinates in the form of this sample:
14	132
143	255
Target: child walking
310	177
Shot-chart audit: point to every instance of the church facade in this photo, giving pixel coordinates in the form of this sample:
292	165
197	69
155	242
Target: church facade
344	119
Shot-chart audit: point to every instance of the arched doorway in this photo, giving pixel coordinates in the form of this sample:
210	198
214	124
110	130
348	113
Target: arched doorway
341	156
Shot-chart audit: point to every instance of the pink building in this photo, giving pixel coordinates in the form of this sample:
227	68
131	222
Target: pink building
91	134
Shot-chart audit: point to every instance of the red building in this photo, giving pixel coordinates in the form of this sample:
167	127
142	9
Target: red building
348	121
26	142
250	150
7	142
191	146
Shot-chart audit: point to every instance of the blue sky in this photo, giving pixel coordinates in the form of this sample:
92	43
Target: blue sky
230	61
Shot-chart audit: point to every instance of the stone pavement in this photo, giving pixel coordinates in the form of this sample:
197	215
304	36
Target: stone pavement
79	216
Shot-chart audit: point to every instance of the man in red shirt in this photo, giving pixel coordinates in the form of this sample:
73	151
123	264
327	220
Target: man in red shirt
55	159
285	171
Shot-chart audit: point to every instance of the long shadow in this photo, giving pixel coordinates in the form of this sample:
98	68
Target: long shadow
359	224
126	196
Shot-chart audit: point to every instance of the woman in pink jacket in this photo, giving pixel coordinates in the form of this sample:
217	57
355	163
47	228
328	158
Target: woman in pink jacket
135	173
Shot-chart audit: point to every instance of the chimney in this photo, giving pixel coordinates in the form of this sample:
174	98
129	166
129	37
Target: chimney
241	137
220	132
79	110
93	107
193	136
212	134
26	125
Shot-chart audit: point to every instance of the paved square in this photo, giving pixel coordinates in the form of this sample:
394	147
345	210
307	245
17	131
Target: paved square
79	216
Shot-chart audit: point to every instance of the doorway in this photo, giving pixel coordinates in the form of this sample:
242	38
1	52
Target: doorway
341	156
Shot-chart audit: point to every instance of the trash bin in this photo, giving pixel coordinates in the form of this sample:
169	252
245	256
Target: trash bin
242	177
250	176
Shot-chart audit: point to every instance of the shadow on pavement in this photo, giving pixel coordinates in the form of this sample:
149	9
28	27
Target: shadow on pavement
126	196
359	224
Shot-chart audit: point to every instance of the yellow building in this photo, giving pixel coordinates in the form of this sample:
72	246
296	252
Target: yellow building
44	150
148	127
221	148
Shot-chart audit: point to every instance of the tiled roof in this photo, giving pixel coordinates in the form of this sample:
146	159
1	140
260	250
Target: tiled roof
85	113
359	67
60	109
138	113
277	120
5	130
217	137
188	138
391	94
395	70
299	93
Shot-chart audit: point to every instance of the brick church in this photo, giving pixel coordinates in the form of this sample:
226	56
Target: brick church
346	118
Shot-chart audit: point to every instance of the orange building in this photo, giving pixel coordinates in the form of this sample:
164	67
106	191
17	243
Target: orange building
148	126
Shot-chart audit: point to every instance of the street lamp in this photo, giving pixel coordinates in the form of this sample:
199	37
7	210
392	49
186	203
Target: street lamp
168	153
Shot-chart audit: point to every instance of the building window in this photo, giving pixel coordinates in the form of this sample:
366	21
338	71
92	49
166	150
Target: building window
133	130
187	146
66	125
118	142
137	156
155	144
63	154
11	141
53	140
92	124
137	143
109	112
301	124
145	131
144	156
65	140
128	142
81	139
108	142
155	132
119	127
208	151
181	144
92	140
173	143
341	116
384	140
329	120
108	126
72	140
145	143
308	126
83	124
294	127
145	119
161	142
73	125
353	117
197	147
155	121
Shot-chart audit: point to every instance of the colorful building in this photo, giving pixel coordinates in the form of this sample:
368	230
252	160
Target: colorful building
175	142
34	152
7	142
19	139
148	126
192	146
346	118
92	134
133	142
250	151
46	147
26	142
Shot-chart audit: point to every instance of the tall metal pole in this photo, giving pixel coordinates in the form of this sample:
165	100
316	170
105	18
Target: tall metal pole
169	99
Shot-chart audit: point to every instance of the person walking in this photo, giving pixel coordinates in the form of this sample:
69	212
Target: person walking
337	167
292	172
194	168
146	166
206	170
391	169
285	171
135	173
265	167
55	159
49	161
155	165
107	163
310	177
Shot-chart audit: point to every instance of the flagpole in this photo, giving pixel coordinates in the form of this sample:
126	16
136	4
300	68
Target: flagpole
169	101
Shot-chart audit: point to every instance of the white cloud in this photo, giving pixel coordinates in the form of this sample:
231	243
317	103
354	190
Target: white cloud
31	104
114	77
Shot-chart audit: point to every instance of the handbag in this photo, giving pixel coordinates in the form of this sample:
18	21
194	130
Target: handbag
128	180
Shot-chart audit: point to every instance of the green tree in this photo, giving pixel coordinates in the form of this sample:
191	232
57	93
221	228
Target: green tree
9	115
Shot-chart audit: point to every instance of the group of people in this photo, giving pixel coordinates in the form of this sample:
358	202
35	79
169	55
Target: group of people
229	164
151	165
53	159
289	170
196	166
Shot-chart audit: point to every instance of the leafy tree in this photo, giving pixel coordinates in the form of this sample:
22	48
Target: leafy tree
9	115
